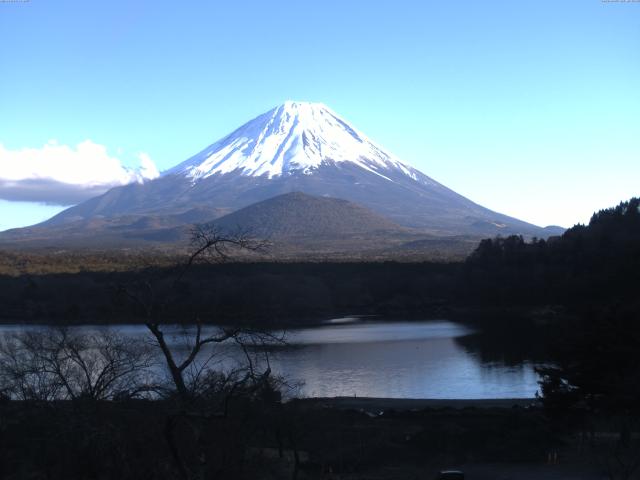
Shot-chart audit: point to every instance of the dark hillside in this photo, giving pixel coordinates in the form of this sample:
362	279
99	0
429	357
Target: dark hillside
298	214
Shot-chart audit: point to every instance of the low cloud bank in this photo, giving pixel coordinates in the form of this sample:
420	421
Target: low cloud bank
63	175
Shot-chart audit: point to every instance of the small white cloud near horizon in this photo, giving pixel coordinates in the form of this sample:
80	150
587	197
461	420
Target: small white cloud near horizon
58	174
148	169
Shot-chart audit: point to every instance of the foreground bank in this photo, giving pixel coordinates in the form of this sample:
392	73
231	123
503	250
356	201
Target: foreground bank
132	440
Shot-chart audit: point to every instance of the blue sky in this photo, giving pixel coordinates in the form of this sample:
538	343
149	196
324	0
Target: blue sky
531	108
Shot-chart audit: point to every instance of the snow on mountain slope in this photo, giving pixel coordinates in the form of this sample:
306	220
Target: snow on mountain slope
300	147
296	136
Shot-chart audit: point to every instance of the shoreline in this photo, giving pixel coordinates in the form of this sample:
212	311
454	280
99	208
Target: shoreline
381	404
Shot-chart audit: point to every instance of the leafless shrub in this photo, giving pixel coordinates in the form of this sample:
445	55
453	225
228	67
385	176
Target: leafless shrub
62	364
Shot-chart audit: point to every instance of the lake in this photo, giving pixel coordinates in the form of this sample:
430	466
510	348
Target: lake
417	359
401	360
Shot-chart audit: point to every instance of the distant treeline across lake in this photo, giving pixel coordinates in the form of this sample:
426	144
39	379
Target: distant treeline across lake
231	292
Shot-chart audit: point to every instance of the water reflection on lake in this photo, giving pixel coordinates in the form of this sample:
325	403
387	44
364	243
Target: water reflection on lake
389	359
400	359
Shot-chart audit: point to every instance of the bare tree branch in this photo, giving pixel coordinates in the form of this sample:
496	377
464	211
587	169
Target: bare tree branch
55	363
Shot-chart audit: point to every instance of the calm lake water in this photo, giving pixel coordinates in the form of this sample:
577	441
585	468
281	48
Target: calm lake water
428	359
400	359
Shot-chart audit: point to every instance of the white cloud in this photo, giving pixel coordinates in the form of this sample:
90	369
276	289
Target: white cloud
148	169
63	175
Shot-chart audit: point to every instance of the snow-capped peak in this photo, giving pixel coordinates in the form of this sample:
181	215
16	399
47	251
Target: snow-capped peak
296	136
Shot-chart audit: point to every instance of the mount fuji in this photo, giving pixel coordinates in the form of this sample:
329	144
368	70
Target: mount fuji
295	137
295	147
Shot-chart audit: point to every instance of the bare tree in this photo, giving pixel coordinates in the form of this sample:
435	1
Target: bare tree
190	373
59	363
193	355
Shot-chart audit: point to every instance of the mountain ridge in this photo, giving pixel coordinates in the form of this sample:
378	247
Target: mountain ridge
307	148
